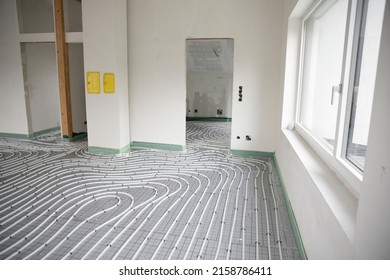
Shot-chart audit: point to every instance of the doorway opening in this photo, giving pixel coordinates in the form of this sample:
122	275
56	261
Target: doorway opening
209	83
77	90
41	86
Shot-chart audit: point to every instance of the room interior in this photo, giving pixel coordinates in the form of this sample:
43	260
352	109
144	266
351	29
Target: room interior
143	49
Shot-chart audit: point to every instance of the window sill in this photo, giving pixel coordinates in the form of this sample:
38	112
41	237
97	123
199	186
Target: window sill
340	200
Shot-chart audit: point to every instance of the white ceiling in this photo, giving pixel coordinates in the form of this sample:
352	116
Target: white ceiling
205	55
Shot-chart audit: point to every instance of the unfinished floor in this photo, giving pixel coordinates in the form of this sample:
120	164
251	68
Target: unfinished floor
58	201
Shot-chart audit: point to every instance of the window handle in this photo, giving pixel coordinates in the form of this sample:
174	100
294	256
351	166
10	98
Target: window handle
338	89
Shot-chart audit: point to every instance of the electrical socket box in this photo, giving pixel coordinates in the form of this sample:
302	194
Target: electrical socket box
93	82
109	82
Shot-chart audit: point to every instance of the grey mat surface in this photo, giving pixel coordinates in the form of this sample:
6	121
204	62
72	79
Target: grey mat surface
58	201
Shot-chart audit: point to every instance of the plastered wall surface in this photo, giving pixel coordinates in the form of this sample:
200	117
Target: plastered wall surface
373	219
13	115
35	16
105	51
73	16
157	31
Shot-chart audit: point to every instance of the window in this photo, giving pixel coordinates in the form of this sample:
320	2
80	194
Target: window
322	69
364	82
339	55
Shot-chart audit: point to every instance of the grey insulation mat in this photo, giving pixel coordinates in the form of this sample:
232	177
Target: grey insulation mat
58	201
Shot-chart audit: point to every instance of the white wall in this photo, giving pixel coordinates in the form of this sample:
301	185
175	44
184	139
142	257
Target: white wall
373	220
42	85
333	223
36	16
73	16
157	31
105	51
13	115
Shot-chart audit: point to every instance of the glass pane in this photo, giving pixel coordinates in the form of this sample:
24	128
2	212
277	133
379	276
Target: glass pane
322	67
35	16
364	82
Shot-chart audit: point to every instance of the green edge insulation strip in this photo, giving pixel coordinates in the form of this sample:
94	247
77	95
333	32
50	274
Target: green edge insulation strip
208	119
294	224
15	135
29	136
133	145
244	153
75	136
45	131
110	151
297	235
158	146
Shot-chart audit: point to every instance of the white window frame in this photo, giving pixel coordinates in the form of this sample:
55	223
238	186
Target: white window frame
335	158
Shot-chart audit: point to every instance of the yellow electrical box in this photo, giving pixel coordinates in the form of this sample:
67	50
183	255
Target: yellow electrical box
109	82
93	82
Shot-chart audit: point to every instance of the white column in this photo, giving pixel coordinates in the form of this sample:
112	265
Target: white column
105	51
